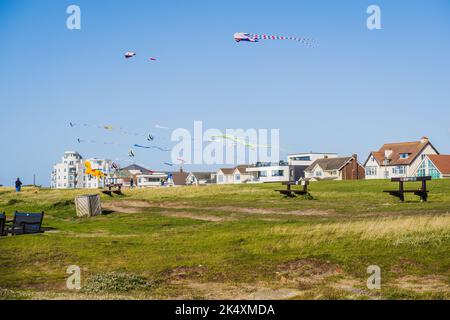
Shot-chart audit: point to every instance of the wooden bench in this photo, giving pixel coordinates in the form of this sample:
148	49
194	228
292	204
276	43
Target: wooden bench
2	224
290	192
110	190
400	193
25	223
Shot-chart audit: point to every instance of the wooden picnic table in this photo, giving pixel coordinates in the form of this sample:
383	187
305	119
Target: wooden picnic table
291	192
110	191
422	192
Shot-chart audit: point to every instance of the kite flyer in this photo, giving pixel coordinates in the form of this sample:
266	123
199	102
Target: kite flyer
18	185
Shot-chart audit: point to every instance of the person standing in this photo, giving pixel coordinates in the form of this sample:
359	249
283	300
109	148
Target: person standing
132	183
18	185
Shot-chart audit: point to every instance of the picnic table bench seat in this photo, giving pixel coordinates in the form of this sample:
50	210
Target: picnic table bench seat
422	192
2	224
290	192
25	223
110	191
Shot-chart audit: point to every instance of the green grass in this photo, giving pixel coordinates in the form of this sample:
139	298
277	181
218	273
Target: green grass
232	241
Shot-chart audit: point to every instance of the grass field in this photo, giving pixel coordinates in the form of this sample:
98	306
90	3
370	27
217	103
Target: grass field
232	242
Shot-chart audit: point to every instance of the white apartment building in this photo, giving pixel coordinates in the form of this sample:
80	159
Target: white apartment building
270	172
70	173
307	158
291	170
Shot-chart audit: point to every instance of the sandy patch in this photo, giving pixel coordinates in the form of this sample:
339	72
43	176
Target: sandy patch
137	206
353	286
432	283
308	212
195	216
220	291
306	272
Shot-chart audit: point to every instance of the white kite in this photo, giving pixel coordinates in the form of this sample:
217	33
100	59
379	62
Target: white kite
129	54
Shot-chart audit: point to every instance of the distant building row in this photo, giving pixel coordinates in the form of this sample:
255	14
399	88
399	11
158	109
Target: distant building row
393	160
70	173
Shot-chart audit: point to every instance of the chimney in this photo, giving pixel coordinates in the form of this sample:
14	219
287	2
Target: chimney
424	140
355	156
388	154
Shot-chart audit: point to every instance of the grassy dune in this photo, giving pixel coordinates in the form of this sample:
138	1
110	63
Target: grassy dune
228	242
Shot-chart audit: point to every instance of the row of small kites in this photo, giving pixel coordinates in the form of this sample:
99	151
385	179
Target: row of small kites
234	140
247	37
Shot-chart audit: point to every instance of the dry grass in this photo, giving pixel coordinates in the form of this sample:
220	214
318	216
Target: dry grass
398	230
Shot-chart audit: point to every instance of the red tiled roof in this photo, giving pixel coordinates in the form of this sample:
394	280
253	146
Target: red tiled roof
227	170
242	169
442	162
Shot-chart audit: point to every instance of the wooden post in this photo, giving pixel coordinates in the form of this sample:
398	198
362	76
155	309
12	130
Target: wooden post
401	190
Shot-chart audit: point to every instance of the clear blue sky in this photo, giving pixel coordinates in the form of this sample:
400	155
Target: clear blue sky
357	90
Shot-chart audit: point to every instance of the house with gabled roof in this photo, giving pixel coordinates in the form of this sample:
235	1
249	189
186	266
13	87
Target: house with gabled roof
340	168
235	175
434	165
200	178
396	160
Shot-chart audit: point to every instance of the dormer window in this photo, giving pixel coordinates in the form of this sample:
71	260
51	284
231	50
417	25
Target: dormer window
404	155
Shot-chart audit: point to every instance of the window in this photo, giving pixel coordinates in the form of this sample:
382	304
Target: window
317	173
432	171
422	172
263	174
399	170
220	178
371	171
277	173
302	158
237	177
404	155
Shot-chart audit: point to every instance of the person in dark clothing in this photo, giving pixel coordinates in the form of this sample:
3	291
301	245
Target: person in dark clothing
18	185
132	183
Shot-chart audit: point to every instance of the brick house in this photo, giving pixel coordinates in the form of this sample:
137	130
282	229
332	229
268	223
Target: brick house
341	168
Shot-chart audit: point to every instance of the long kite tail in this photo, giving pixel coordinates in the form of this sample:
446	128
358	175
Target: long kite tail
306	41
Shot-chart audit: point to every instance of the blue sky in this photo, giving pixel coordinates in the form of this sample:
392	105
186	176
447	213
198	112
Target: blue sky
355	91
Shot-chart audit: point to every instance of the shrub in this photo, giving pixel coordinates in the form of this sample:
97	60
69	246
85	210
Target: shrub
114	282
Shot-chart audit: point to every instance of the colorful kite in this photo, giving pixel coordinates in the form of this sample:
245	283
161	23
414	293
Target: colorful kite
131	153
151	147
235	140
115	166
157	126
121	130
169	164
93	172
250	37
